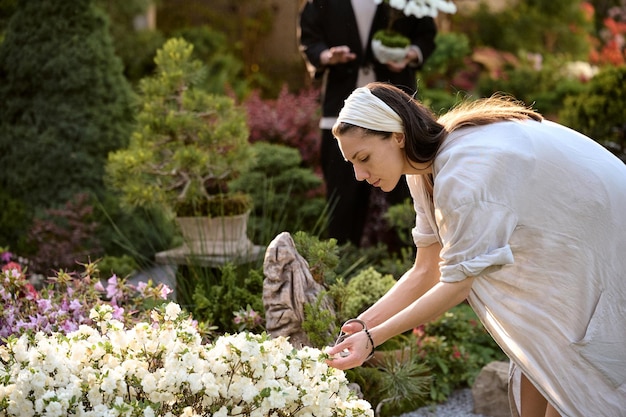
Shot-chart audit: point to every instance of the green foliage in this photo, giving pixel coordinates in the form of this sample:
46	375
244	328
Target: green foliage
217	295
290	119
402	218
135	46
65	102
455	347
138	232
405	382
548	28
448	58
353	259
319	324
188	143
322	255
14	219
363	290
122	266
225	70
545	88
281	190
599	111
246	24
7	8
395	382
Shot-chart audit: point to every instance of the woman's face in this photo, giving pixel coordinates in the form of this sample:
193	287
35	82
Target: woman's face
381	162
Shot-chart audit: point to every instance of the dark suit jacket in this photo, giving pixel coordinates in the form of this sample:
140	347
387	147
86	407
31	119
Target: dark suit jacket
328	23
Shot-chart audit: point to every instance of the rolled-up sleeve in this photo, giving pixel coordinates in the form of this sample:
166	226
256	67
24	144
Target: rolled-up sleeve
475	237
425	230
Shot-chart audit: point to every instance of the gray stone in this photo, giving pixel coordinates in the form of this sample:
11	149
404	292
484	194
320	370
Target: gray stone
288	286
490	390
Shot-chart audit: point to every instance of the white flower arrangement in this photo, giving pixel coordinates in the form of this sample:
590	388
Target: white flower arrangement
164	369
421	8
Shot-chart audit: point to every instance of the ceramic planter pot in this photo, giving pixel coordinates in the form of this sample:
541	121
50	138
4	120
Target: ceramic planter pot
216	235
386	54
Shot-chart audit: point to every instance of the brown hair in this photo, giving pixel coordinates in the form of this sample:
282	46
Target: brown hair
425	132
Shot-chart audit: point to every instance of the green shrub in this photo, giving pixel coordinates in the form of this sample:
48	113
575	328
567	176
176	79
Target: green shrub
218	295
321	255
284	193
364	289
548	27
14	219
135	46
545	88
439	71
65	106
65	102
122	266
599	110
225	70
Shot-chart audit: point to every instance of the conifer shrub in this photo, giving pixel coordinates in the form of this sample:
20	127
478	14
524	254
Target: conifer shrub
65	106
66	103
598	111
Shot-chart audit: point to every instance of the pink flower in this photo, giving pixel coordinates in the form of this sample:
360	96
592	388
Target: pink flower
112	289
165	291
12	266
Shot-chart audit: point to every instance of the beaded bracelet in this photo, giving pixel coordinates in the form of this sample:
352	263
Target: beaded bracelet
369	336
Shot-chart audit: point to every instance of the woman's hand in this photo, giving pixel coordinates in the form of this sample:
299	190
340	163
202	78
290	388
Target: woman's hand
337	55
352	352
397	66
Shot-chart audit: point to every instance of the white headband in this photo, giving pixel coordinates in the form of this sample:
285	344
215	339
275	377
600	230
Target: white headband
364	109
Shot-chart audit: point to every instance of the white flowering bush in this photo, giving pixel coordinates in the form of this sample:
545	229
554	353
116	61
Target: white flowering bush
163	369
421	8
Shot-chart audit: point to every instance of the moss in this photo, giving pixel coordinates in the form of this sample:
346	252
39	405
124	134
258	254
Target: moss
216	206
392	39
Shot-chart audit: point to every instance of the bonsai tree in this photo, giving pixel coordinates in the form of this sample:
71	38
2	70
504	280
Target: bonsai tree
188	143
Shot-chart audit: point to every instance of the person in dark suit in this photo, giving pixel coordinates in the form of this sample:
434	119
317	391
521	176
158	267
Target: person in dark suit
335	40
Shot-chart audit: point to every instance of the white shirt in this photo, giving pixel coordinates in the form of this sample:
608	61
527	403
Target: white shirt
537	213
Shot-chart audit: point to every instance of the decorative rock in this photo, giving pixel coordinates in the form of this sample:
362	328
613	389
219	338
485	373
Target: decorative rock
490	390
288	286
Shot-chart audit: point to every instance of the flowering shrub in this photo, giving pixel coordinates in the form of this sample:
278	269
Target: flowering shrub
63	304
162	368
290	119
610	47
421	8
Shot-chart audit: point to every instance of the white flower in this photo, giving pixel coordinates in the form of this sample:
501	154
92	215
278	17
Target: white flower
580	70
398	4
421	8
111	368
172	310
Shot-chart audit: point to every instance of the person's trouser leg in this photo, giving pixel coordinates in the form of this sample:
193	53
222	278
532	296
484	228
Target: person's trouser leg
347	197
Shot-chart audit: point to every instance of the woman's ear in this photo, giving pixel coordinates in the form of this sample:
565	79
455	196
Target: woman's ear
399	138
